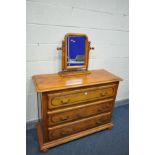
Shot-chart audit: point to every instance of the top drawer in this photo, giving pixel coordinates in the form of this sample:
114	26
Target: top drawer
77	96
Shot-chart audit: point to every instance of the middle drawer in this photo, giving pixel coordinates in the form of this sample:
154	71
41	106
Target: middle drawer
78	112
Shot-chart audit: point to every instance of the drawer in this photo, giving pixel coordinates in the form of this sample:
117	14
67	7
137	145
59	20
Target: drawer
75	127
79	112
77	96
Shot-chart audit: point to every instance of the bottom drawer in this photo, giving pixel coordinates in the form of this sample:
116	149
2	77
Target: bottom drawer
74	127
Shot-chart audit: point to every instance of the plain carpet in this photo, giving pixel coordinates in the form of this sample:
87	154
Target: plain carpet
106	142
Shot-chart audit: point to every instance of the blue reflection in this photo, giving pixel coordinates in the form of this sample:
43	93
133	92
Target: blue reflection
76	50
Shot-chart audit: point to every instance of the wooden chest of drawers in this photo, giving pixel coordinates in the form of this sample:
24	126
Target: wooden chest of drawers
74	106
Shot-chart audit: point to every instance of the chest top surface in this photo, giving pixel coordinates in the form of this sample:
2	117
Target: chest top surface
50	82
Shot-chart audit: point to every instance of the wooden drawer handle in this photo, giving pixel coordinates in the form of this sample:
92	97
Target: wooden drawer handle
99	122
63	134
78	116
100	110
66	133
65	102
107	105
104	93
65	118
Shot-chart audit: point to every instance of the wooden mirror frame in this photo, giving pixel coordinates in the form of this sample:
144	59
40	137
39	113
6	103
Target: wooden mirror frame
64	53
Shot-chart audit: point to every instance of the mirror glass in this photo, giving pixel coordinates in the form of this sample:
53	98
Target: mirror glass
76	50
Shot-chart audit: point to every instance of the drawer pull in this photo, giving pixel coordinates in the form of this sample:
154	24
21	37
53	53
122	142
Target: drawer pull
66	133
65	102
104	94
78	116
65	118
86	93
63	134
107	105
100	110
99	122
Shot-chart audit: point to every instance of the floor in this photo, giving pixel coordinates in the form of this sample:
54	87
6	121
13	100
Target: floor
107	142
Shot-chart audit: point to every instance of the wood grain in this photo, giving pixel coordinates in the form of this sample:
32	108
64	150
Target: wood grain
78	112
78	96
74	106
77	126
46	145
51	82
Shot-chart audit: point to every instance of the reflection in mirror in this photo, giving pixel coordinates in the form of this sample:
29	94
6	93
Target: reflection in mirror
76	50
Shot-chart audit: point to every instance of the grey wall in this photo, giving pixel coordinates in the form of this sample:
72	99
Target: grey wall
104	21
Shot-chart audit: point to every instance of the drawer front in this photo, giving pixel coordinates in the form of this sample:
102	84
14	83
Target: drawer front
66	130
80	112
78	96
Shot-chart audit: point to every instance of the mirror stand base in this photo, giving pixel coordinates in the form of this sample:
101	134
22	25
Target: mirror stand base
72	73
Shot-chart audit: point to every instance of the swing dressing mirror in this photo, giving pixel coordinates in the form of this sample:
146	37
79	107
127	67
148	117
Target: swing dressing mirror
75	52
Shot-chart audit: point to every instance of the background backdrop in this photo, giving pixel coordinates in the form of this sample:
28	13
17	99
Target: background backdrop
104	21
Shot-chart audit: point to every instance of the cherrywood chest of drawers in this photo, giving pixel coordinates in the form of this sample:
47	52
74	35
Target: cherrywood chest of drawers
70	107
